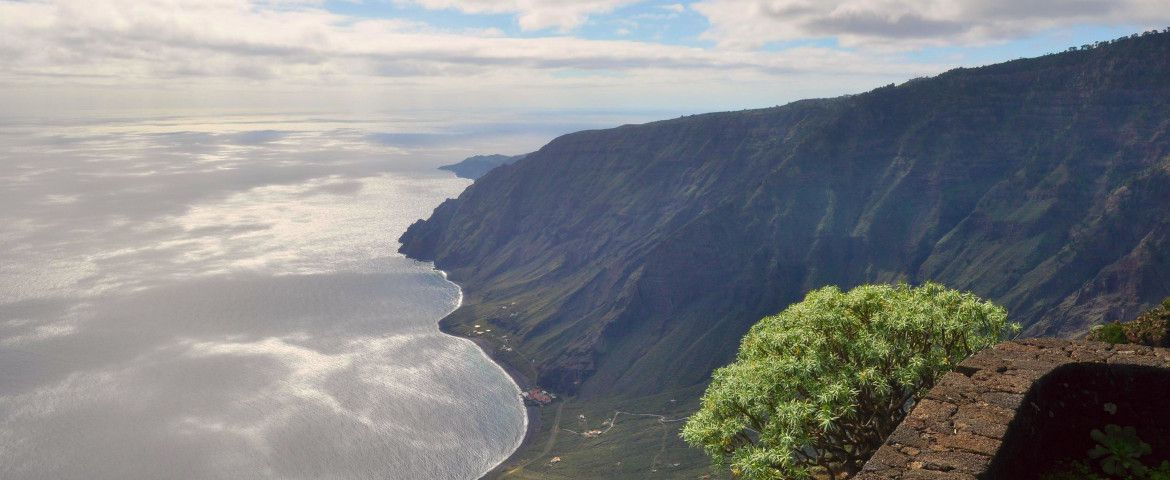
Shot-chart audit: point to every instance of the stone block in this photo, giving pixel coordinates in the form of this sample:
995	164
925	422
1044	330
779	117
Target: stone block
957	428
967	442
962	462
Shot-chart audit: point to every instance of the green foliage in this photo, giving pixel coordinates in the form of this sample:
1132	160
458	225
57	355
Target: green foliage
1151	328
1073	471
1118	454
1118	450
818	387
1112	332
1162	472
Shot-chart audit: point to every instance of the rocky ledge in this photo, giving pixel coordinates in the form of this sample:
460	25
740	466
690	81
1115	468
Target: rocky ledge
1015	409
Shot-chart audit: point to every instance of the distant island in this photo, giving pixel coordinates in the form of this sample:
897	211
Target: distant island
479	165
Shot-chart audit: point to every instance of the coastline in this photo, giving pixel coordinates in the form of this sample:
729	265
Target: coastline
522	382
531	412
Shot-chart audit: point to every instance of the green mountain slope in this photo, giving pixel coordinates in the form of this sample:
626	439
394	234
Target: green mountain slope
629	261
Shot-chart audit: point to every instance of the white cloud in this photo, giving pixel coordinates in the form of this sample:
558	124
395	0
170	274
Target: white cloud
563	15
293	51
122	42
902	24
57	53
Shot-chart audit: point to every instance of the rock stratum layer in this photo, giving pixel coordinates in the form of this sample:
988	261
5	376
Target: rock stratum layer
631	260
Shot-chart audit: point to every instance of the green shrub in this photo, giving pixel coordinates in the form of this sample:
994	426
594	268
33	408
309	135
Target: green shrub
1112	332
1118	456
1151	328
1119	450
816	389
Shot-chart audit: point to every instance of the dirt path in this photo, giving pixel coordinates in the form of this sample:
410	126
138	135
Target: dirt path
556	428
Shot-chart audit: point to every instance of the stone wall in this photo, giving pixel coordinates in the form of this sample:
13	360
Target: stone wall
985	419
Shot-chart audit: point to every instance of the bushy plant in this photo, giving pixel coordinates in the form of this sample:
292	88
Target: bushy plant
1117	455
1112	332
816	389
1151	328
1119	450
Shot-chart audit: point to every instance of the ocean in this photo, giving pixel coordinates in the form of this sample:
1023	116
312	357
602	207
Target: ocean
220	297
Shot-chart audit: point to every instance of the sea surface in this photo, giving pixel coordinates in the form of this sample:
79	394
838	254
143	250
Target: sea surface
220	297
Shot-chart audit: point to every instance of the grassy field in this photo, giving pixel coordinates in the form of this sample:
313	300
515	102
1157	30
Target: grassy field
639	439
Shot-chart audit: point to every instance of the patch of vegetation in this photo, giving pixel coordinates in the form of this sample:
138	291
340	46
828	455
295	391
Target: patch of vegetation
816	389
1151	328
642	444
1112	332
1117	455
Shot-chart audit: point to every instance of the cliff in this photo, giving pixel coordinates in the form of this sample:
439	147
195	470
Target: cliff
631	260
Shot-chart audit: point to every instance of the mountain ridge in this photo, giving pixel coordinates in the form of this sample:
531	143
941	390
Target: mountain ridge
637	256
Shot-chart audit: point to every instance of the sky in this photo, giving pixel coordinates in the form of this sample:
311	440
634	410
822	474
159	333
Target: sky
89	57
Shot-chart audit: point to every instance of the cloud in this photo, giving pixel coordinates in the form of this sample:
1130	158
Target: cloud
253	49
254	54
563	15
126	42
908	24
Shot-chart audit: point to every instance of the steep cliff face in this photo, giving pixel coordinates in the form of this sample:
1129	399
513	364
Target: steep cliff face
631	260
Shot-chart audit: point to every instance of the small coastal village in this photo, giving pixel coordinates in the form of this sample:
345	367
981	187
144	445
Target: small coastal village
537	397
